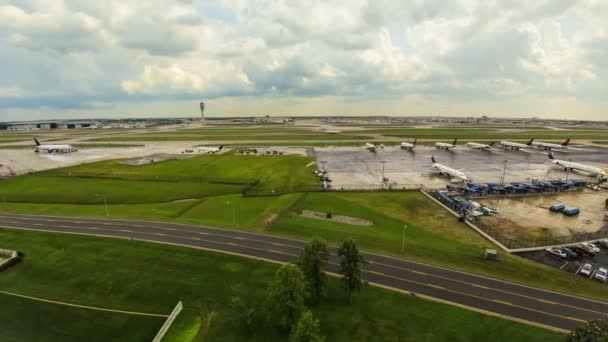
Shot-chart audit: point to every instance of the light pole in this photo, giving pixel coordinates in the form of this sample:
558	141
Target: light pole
403	239
382	184
233	215
504	171
105	203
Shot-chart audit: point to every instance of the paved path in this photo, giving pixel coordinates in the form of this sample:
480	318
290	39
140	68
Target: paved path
505	299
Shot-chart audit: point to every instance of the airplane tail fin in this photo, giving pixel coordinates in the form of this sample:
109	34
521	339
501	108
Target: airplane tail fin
36	141
433	159
220	147
454	142
565	143
551	156
415	139
493	143
530	142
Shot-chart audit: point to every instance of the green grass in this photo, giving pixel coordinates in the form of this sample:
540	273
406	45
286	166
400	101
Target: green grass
44	189
281	173
79	146
432	236
28	320
139	276
238	137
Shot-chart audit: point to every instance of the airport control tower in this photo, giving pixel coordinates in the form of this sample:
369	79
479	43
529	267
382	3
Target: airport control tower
202	113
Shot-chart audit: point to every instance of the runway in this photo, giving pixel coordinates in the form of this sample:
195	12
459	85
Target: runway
505	299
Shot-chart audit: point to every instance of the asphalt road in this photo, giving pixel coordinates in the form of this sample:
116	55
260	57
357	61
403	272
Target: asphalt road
496	297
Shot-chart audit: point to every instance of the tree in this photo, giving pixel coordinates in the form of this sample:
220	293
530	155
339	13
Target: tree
307	329
312	260
351	267
593	331
285	297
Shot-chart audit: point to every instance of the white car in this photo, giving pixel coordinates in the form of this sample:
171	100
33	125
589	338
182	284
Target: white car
556	252
601	274
586	270
590	247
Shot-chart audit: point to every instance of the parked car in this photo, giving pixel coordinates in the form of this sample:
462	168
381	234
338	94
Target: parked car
590	247
582	251
570	253
601	274
603	243
586	270
556	252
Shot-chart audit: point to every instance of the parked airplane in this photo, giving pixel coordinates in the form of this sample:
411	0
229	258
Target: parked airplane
409	146
549	146
445	170
372	147
203	149
508	145
445	146
479	146
576	166
53	148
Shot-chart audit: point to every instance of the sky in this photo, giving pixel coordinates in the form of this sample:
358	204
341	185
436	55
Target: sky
159	58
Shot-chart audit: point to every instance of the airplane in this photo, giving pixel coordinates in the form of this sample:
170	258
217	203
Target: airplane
53	148
409	146
445	146
576	166
549	146
479	146
508	145
210	149
372	147
445	170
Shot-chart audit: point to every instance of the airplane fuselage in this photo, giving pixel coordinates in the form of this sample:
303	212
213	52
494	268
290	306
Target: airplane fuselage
55	148
407	146
444	146
442	169
478	146
581	167
512	145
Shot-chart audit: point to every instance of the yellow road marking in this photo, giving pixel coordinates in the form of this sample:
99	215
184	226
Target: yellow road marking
283	245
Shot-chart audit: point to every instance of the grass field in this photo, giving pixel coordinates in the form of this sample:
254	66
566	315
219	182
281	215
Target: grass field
432	236
232	137
118	274
123	184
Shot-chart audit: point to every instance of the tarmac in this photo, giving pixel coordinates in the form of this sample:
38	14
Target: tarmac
350	167
495	297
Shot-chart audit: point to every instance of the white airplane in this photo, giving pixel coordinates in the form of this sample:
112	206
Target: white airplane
479	146
53	148
372	147
445	170
508	145
549	146
576	166
445	146
203	149
409	146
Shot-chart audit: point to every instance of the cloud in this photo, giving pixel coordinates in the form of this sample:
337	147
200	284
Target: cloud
86	54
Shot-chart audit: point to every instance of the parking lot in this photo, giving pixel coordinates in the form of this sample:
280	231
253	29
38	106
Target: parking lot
352	166
572	265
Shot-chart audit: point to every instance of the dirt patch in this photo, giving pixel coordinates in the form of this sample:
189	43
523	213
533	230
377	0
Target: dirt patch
529	217
336	218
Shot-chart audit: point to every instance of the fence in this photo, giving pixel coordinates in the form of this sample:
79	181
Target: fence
163	330
513	243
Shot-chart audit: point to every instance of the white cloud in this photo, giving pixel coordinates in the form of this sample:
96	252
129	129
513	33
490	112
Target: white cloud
76	53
